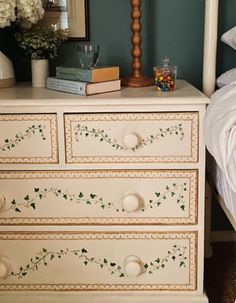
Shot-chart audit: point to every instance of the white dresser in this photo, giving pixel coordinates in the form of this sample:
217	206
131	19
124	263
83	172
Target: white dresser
102	197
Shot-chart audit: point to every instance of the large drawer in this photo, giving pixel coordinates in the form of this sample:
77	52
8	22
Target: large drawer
132	137
99	197
28	138
98	261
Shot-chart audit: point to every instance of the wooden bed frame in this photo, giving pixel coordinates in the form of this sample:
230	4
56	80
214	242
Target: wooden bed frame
209	80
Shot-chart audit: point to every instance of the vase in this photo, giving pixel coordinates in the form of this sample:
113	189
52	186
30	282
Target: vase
40	72
7	74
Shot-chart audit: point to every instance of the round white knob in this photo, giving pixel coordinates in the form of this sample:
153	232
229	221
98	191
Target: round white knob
5	267
133	266
131	202
2	201
131	140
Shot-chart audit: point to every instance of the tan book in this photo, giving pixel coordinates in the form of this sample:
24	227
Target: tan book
97	74
81	87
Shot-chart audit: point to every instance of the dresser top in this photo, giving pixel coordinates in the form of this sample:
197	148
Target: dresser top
24	95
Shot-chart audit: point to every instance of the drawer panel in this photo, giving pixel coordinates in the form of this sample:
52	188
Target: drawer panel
99	197
128	138
99	261
28	138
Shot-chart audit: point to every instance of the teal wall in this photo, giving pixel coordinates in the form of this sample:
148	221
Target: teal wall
170	27
226	55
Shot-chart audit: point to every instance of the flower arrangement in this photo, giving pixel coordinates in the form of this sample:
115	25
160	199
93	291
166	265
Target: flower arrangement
41	42
22	12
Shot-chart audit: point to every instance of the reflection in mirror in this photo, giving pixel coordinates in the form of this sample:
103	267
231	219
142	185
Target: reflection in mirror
68	14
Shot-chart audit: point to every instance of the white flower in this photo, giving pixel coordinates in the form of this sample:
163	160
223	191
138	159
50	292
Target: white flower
7	12
24	12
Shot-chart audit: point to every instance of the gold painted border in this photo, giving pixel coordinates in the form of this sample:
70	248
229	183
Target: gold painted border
193	117
52	118
148	174
193	259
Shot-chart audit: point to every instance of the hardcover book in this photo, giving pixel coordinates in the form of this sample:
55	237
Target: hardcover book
82	88
97	74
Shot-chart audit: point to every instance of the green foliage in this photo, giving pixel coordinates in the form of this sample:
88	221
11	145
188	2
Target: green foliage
41	42
11	143
44	257
99	134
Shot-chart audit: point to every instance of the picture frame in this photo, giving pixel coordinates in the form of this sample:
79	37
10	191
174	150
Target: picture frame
71	14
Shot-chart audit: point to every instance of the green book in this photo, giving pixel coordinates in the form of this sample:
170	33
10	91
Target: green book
97	74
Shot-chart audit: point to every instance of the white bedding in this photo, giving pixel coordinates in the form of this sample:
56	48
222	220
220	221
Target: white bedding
220	138
223	187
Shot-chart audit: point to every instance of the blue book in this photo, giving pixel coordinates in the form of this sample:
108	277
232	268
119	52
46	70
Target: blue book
82	88
97	74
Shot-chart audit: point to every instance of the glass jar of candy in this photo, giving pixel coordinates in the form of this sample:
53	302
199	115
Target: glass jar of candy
165	76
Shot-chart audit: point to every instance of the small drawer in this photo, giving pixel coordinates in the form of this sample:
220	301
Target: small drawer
132	137
28	138
99	197
98	261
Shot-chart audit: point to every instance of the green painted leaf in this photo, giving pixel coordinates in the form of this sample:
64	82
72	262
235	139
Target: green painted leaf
112	264
26	198
33	205
81	195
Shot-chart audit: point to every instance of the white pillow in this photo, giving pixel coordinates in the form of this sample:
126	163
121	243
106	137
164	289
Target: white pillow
226	78
230	37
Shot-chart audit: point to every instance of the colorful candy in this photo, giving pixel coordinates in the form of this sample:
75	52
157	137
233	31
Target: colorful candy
165	76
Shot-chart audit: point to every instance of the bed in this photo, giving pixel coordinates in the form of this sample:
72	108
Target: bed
220	119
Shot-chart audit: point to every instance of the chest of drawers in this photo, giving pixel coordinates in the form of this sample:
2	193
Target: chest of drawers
102	198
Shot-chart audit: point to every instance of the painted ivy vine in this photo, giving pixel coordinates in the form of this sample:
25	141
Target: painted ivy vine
45	257
171	191
40	194
99	134
10	143
177	253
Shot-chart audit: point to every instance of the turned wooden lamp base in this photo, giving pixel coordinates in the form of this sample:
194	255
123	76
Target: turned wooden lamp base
141	81
136	79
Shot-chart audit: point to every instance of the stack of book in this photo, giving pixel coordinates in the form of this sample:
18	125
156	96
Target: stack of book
85	81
